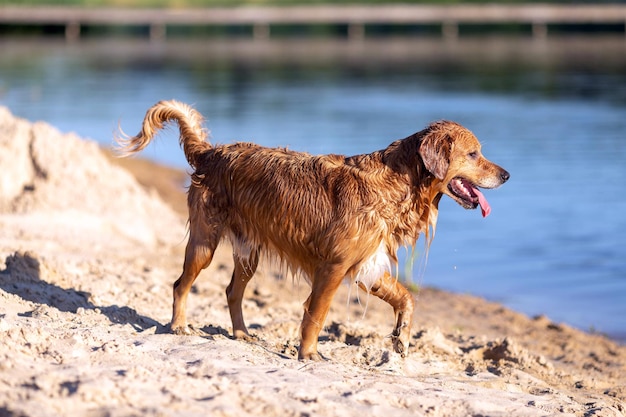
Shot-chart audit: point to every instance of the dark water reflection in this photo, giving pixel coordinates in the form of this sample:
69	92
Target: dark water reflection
553	113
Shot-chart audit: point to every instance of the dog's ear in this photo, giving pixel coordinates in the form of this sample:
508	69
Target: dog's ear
435	149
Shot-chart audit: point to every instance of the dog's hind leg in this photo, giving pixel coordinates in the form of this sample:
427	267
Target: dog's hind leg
243	272
324	286
198	255
389	289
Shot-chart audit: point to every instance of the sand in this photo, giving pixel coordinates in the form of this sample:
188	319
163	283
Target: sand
87	258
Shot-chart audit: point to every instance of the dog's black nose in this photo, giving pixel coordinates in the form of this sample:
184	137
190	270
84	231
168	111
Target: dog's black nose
504	175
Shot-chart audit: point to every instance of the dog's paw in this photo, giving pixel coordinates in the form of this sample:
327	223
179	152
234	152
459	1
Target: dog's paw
400	339
182	330
401	347
315	357
310	356
244	336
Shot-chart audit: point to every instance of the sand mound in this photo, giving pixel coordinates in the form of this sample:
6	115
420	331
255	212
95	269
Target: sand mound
61	178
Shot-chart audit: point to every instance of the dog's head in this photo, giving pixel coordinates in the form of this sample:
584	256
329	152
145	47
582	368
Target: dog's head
453	155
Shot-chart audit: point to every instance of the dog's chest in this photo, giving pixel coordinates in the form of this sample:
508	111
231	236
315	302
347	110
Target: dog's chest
375	267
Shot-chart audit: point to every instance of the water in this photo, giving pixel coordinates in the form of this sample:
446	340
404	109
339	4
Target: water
552	113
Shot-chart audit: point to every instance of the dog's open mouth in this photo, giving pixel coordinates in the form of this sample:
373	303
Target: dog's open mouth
468	195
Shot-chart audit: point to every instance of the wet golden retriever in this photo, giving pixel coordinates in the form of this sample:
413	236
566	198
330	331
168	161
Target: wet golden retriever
326	217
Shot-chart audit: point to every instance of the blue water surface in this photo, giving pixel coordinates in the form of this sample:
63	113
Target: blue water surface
554	243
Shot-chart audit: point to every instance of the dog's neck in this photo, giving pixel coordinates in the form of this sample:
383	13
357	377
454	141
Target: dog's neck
403	158
415	191
404	163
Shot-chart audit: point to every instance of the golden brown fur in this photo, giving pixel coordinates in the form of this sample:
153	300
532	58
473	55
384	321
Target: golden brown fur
327	217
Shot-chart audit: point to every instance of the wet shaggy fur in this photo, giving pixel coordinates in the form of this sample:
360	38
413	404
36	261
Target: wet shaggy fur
326	217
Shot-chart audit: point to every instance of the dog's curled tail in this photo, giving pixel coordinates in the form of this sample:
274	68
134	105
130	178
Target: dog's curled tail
193	136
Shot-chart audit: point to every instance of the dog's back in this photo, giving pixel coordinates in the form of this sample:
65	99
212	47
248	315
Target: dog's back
302	208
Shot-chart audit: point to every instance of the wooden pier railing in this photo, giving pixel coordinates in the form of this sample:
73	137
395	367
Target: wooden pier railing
356	17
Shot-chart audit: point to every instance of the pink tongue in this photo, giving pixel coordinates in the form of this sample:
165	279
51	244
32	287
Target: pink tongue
484	205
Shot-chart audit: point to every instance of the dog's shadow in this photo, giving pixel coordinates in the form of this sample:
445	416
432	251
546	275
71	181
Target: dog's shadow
22	277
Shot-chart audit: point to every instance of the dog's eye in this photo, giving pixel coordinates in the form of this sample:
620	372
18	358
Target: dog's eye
473	155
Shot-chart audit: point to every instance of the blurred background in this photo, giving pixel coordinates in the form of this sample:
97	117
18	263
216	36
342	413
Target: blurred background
543	86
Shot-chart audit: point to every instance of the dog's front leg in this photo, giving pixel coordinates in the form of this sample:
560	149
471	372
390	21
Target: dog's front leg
324	286
389	289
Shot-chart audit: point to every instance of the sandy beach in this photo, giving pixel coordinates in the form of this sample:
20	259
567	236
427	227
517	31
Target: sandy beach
90	247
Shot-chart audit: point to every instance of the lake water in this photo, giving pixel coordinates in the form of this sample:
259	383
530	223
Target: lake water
553	113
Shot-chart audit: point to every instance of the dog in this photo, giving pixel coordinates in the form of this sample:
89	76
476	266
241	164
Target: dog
325	217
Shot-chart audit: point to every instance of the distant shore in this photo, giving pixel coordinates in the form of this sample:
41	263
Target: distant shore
354	21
